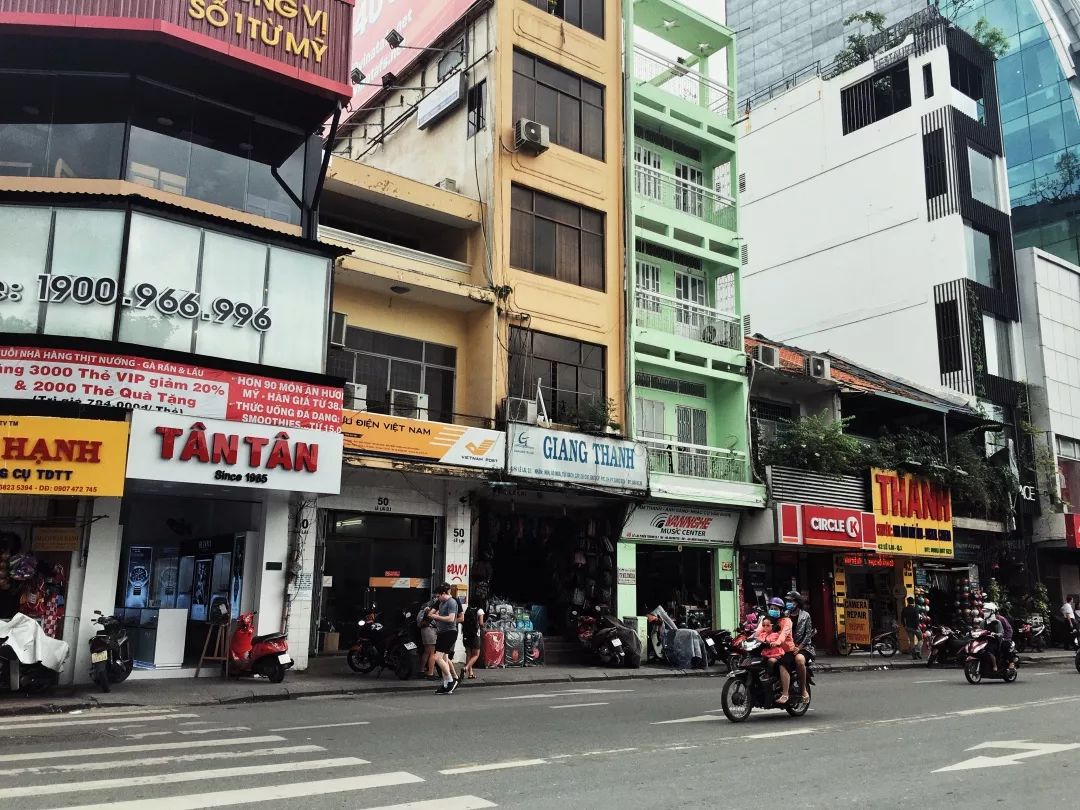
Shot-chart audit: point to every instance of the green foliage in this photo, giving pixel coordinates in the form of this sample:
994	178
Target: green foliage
997	594
816	443
856	49
1064	184
597	416
993	39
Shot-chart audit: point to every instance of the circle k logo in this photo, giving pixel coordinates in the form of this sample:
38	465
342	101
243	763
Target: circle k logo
849	526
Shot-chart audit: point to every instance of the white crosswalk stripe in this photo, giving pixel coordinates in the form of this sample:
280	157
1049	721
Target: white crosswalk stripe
177	772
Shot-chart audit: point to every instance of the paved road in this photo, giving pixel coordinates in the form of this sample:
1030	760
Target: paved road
877	739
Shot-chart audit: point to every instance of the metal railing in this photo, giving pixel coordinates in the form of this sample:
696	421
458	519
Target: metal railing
686	196
682	81
778	88
667	455
687	319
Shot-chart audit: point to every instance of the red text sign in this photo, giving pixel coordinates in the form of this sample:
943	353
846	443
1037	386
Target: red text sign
830	526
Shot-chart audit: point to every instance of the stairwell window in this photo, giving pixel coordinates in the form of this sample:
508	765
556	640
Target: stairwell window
876	98
570	373
570	106
556	238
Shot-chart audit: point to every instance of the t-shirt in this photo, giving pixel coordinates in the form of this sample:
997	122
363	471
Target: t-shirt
1067	611
448	608
910	617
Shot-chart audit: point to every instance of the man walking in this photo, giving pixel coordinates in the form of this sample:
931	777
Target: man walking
446	638
909	617
1068	613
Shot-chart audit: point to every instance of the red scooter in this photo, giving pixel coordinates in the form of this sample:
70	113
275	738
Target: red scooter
250	654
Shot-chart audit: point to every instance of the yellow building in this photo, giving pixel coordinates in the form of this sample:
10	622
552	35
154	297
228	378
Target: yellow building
480	316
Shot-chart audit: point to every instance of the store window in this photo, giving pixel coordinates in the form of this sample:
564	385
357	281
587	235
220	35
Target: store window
982	257
386	363
570	106
570	373
556	238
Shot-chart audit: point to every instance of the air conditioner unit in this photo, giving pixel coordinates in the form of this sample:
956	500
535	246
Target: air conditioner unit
817	367
447	184
409	404
768	356
530	136
712	335
518	409
339	323
355	397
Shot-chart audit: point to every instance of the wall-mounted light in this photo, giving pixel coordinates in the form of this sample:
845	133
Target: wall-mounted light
393	38
388	79
357	76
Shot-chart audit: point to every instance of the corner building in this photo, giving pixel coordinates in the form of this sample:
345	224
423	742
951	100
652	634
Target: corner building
164	316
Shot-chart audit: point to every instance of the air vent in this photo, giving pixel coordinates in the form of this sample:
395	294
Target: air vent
746	326
744	254
742	182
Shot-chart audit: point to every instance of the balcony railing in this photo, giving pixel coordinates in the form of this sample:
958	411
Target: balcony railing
417	257
682	81
686	319
685	196
667	455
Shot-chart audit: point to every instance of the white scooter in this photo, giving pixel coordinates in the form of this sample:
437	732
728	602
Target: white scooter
30	661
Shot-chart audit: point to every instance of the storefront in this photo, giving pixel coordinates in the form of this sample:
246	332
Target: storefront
547	544
681	558
403	522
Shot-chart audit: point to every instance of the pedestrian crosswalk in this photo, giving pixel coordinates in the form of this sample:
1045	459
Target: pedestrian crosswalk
168	759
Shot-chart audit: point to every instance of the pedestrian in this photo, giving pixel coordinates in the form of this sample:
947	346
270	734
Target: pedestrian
460	622
427	638
446	628
1069	614
909	617
471	630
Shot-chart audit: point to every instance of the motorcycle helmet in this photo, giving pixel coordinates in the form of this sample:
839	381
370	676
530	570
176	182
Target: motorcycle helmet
776	607
793	599
989	609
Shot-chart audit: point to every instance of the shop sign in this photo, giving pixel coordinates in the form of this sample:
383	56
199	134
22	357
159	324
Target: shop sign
967	551
54	538
138	383
827	526
557	455
1072	531
626	576
306	40
45	456
857	621
913	516
434	442
868	561
677	524
208	451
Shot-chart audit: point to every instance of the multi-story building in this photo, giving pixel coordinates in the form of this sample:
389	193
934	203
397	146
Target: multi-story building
1036	80
887	185
164	316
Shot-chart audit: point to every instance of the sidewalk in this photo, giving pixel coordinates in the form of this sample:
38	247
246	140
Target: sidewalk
330	676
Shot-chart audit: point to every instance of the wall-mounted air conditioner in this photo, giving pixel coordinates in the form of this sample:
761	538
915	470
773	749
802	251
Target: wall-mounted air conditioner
817	367
355	397
408	404
518	409
768	356
531	137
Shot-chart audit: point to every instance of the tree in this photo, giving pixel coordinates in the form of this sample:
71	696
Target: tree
993	39
953	8
1064	184
857	49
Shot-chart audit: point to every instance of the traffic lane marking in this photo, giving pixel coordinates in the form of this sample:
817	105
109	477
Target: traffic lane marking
493	766
131	749
577	705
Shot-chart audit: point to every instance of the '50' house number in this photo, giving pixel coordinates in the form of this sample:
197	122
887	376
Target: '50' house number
383	505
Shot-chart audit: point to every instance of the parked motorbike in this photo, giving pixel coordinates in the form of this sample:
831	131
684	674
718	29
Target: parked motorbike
720	647
266	655
30	661
981	658
750	687
946	646
884	644
1030	634
615	644
110	652
376	647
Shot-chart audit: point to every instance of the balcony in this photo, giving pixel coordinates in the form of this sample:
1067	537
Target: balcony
685	319
683	81
684	196
672	457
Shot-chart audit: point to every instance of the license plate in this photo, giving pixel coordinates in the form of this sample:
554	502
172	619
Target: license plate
284	659
409	645
98	657
616	643
710	642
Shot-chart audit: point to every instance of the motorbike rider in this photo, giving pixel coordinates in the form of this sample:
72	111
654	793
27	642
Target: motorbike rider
776	611
999	625
802	634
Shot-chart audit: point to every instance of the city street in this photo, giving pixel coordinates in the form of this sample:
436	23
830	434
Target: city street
881	739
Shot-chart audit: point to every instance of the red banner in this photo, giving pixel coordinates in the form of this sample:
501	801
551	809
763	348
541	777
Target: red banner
831	526
122	381
1072	531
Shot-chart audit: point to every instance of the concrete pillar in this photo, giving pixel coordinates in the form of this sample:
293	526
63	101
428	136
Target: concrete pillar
98	586
303	514
269	591
727	588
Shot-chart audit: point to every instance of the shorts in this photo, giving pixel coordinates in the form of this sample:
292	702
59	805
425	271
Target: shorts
445	642
427	636
472	641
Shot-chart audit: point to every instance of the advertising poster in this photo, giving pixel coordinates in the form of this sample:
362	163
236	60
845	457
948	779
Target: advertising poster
857	621
139	565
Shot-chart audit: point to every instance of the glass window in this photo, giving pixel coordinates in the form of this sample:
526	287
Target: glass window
87	138
220	145
234	269
997	333
571	373
86	245
570	106
159	155
981	256
274	147
556	238
1010	79
25	114
24	248
1047	128
983	177
162	255
1017	141
1041	69
293	341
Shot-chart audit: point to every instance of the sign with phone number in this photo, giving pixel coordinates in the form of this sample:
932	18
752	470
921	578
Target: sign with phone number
138	383
166	300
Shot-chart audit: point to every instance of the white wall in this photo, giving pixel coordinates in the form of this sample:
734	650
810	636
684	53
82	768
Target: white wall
99	585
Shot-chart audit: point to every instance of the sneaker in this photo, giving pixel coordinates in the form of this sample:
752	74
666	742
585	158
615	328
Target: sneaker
453	685
443	690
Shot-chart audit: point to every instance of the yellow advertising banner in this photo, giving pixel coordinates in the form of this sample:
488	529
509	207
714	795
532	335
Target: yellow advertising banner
45	456
912	515
857	621
435	442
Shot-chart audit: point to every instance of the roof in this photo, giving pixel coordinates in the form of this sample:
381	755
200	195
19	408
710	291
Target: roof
850	377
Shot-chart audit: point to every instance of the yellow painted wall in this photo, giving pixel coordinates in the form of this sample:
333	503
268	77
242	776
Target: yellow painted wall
558	307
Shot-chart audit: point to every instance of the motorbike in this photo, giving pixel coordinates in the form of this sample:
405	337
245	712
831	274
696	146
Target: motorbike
1030	634
981	658
719	646
946	646
266	655
110	652
749	686
376	647
884	644
615	644
30	661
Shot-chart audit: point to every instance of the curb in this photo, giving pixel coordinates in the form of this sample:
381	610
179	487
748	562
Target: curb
256	697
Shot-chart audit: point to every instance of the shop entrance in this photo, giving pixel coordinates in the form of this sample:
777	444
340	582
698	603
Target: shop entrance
372	559
874	578
678	579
